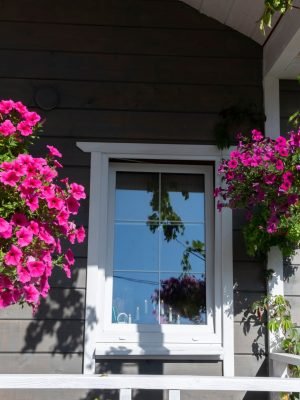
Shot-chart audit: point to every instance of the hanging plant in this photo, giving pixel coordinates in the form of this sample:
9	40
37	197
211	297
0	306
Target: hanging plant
263	177
185	296
36	210
235	119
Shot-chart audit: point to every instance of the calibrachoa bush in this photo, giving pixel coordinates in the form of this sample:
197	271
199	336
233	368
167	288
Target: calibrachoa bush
35	211
263	176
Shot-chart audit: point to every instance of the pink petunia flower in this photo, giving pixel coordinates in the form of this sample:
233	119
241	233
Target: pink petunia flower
25	236
20	107
7	234
232	163
23	274
13	256
31	118
80	234
73	205
31	294
54	152
69	256
35	268
6	106
9	178
19	219
77	191
24	128
7	128
67	270
257	135
4	225
55	202
279	165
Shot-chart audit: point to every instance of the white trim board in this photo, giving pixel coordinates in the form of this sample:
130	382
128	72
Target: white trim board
150	382
101	153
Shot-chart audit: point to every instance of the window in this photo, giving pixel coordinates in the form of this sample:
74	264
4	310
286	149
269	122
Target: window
159	258
160	222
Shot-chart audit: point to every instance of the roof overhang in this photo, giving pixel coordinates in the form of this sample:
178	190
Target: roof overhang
281	44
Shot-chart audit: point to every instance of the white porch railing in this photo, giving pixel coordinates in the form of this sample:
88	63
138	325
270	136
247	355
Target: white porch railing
125	383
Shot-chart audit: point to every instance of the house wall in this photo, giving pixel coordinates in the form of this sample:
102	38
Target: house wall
121	70
289	104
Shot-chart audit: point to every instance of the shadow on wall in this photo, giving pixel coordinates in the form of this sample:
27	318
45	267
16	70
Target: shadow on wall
58	324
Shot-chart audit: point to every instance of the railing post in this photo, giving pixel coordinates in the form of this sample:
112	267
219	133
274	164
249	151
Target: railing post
125	394
174	394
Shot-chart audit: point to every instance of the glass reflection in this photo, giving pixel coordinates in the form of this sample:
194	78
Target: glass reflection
135	247
159	249
186	194
181	299
184	253
134	192
132	302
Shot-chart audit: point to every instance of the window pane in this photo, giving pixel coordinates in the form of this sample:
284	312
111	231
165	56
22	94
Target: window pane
185	194
159	249
134	193
182	299
185	253
135	247
132	297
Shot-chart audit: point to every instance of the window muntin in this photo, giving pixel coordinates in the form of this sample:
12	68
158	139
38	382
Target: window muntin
158	215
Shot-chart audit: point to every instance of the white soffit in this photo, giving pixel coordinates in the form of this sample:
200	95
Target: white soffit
241	15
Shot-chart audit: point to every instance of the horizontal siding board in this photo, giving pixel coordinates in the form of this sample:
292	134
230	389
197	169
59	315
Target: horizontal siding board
238	218
247	339
292	281
249	276
289	102
295	307
80	175
57	336
103	12
130	68
239	248
126	40
51	394
250	365
114	395
78	276
130	96
165	367
16	363
60	304
243	302
288	85
80	250
72	155
126	126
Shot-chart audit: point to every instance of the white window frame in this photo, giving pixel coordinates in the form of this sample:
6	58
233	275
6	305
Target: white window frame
217	341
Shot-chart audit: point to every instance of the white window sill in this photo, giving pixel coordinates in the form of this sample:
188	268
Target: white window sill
186	351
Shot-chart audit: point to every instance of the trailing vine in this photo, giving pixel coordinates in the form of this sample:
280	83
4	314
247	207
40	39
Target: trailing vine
280	323
234	119
272	7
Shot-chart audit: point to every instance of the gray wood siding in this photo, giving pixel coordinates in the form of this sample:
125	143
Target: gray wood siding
123	70
289	102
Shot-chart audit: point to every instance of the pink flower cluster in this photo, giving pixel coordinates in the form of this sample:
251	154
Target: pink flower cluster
36	211
262	175
15	119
